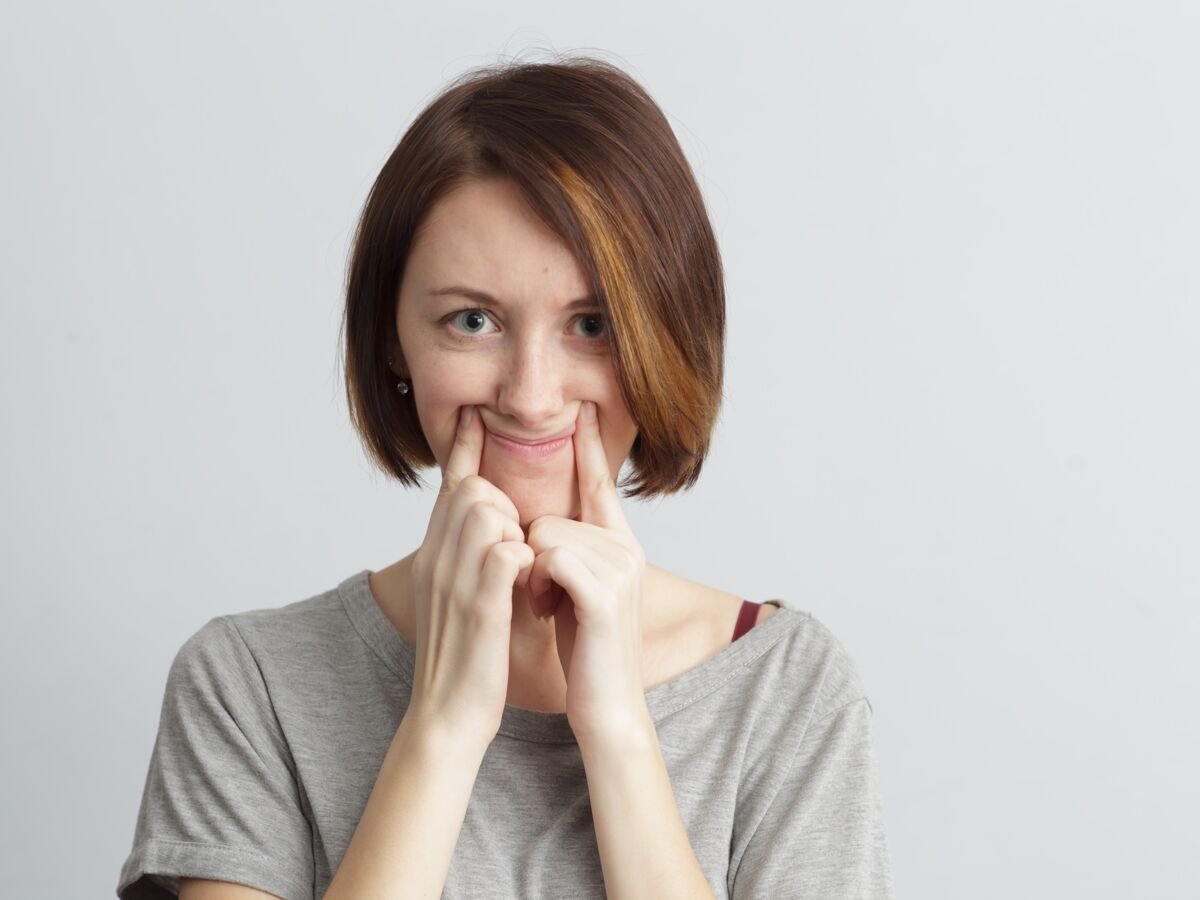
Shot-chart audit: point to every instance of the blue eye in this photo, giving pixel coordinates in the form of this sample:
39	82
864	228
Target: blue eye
466	324
476	317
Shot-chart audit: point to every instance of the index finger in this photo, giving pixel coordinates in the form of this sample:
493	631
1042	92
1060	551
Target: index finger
466	452
598	500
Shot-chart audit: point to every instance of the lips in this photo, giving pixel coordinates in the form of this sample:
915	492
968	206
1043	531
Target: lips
534	442
538	452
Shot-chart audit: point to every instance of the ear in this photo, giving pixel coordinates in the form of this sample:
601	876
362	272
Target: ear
396	366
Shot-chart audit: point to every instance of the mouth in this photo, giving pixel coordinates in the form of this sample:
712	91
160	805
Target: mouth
532	451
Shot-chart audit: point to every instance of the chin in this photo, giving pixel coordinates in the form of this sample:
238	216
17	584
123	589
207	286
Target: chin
537	496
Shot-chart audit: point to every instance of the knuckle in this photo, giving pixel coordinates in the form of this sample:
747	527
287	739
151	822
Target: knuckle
511	554
467	486
498	498
504	552
481	512
540	525
474	487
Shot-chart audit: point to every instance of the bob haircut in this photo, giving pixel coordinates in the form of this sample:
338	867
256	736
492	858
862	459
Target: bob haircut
598	163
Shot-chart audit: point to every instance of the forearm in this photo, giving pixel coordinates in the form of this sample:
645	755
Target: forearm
409	828
644	847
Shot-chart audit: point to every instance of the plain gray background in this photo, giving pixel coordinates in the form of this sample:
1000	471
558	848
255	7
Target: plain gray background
960	420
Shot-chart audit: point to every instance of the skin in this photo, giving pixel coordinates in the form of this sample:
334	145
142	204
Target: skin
529	374
525	362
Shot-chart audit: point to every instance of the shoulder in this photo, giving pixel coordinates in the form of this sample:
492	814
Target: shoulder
705	614
230	652
799	664
213	668
208	651
295	630
816	663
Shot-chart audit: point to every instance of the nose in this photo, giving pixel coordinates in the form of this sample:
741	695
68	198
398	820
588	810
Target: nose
531	384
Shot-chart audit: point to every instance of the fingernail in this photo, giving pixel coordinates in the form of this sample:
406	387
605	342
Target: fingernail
465	417
589	411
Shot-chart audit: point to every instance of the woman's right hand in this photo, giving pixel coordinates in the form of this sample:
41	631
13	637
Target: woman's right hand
463	574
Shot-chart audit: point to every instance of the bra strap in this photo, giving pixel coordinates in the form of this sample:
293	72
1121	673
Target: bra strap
746	618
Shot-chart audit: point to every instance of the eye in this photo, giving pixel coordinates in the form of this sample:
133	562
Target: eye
466	324
473	320
596	326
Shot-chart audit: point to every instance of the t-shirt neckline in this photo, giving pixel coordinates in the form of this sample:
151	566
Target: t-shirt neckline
545	727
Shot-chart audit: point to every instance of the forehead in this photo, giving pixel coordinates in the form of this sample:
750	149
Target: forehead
484	234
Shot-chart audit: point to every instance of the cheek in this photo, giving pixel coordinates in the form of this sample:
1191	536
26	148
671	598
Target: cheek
619	433
437	404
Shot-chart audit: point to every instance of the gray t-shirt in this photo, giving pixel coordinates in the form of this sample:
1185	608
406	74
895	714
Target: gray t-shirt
275	722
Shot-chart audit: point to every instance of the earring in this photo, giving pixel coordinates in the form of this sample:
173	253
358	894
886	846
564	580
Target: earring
401	386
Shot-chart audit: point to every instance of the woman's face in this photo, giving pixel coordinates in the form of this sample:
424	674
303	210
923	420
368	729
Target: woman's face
527	358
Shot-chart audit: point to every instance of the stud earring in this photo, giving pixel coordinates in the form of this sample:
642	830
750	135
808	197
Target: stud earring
401	386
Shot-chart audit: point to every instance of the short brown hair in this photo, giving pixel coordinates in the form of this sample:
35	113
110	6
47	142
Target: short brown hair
599	164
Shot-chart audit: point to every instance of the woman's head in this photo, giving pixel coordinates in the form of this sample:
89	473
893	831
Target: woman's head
538	184
495	312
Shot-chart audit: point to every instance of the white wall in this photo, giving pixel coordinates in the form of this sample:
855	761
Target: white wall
960	421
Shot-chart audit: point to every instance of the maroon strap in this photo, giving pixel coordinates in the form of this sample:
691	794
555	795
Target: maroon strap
746	618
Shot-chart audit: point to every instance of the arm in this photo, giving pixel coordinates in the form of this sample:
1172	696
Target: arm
644	847
823	833
410	825
208	889
221	801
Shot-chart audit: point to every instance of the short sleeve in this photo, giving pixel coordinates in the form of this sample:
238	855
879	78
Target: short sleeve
221	799
823	834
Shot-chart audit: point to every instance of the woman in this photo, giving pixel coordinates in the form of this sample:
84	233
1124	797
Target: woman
523	705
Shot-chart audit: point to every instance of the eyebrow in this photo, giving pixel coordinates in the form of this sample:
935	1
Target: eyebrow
588	302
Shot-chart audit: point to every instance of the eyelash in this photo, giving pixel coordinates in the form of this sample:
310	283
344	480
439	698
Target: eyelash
467	337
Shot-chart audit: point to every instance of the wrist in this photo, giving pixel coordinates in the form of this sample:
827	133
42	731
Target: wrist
629	734
436	739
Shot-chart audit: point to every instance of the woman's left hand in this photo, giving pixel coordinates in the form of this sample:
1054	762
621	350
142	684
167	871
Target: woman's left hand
589	575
